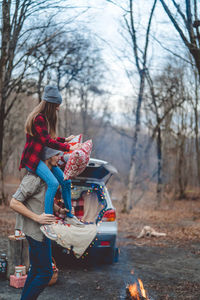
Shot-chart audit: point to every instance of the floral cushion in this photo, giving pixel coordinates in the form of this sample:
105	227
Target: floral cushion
64	156
78	161
75	140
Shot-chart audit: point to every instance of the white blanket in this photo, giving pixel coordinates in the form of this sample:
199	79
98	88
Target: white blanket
77	237
92	206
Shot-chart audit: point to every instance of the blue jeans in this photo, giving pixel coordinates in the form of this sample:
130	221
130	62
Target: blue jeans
53	178
40	271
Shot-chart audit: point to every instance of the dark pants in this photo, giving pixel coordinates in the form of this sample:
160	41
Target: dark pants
40	272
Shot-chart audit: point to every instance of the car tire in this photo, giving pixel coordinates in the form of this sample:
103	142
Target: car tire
116	255
111	256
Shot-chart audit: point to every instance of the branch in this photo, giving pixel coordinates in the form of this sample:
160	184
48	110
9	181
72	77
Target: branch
195	21
118	5
160	122
172	52
175	24
133	36
122	132
189	23
147	35
180	12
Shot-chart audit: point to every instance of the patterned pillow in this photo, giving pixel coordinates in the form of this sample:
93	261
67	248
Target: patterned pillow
78	161
64	156
75	140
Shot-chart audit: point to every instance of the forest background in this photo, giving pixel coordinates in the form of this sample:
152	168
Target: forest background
129	74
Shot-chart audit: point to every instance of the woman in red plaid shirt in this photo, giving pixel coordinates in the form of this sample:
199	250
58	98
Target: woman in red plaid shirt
40	128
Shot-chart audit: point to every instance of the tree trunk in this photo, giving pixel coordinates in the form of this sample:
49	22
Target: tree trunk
196	129
84	112
196	55
2	192
130	196
4	76
132	170
159	172
141	68
181	166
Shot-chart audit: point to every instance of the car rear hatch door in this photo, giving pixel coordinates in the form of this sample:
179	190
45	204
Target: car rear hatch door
98	170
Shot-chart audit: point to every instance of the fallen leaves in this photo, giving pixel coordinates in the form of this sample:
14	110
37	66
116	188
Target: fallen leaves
181	223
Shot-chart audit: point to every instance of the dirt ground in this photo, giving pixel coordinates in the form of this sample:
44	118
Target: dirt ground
168	266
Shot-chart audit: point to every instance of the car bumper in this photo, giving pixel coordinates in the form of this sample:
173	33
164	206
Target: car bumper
104	241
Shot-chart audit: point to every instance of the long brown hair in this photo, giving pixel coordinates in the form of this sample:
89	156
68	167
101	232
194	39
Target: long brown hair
49	110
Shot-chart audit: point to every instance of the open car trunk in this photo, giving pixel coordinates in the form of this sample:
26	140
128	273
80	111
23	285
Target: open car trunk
97	170
89	196
89	201
89	186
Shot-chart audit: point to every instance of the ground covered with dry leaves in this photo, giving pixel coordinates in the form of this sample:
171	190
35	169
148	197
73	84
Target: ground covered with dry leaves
178	250
179	220
168	266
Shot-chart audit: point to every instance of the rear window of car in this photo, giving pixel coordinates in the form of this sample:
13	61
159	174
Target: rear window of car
94	172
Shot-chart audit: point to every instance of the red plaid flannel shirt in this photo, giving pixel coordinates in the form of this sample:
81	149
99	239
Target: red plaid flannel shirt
34	144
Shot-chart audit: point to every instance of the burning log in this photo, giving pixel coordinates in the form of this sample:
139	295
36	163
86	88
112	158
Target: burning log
132	292
132	297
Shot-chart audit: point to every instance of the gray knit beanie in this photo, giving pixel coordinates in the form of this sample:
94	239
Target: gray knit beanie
51	94
49	152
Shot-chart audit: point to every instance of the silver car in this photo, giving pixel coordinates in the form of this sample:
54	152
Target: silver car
97	208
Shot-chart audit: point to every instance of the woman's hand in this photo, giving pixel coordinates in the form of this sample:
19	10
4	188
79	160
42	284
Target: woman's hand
46	219
75	147
69	138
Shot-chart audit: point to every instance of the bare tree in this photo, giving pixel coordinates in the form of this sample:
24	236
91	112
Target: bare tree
167	93
91	104
75	65
79	73
187	23
140	57
194	83
17	45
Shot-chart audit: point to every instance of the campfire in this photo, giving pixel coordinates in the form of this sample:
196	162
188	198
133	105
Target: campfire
136	291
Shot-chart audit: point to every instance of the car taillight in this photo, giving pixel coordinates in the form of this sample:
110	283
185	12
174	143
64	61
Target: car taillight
109	216
105	243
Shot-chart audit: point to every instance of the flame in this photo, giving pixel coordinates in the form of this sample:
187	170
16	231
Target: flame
133	289
143	292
